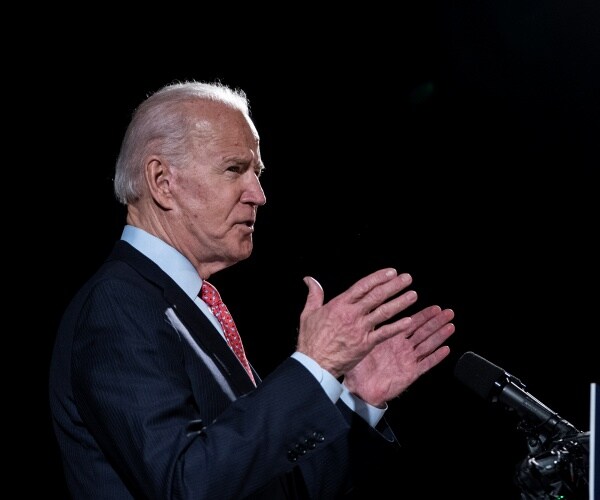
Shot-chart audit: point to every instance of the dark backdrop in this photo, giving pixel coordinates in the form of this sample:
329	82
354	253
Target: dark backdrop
455	142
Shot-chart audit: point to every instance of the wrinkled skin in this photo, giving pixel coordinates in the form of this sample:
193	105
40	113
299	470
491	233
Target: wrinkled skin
356	335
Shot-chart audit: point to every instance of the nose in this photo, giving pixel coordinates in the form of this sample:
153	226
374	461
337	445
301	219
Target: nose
253	192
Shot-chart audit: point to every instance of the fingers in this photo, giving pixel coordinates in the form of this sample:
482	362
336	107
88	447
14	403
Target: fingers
405	326
428	340
421	317
432	359
434	340
315	297
388	310
370	296
377	287
432	320
427	330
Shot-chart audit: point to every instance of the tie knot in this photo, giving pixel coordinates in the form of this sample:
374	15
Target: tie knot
209	294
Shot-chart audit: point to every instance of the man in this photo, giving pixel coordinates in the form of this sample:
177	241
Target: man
148	399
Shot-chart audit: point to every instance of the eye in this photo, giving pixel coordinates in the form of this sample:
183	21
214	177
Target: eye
235	168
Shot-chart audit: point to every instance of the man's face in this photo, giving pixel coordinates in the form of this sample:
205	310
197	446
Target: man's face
217	194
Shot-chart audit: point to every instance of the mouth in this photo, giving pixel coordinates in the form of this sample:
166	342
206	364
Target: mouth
249	224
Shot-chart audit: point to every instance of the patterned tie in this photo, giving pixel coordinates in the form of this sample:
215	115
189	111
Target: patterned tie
211	296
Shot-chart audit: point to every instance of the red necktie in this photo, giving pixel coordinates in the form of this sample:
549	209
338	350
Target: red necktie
211	296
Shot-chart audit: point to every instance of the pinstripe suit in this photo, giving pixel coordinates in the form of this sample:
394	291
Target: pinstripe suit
148	401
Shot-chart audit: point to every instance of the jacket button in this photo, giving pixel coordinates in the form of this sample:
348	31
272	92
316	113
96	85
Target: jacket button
310	443
317	436
300	449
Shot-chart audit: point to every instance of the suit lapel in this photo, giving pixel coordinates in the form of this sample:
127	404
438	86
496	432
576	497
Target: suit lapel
200	329
209	339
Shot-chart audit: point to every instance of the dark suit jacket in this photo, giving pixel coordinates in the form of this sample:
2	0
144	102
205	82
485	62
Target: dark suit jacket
148	401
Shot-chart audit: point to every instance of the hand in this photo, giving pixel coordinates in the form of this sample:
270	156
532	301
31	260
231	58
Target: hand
337	335
396	363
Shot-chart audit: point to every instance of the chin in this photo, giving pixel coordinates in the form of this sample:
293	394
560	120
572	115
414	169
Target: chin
244	252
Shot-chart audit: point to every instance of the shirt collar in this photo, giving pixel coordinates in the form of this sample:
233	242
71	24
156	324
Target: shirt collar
170	260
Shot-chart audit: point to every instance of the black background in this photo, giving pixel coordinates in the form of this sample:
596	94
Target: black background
456	141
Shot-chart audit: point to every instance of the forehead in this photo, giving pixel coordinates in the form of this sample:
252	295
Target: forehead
222	134
215	120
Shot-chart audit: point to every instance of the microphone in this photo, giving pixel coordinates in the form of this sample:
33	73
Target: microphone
496	385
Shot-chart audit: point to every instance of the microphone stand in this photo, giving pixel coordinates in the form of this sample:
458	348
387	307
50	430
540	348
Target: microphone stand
556	468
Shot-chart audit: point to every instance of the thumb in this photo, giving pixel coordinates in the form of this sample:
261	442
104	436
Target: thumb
315	297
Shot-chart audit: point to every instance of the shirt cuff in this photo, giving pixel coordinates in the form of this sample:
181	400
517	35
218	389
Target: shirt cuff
368	412
331	385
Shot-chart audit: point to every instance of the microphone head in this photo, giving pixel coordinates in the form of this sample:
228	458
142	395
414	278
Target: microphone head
478	374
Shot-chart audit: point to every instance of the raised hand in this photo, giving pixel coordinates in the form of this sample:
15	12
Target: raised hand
339	333
394	364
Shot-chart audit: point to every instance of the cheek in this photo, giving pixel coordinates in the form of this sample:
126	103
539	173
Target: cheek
191	197
200	206
195	211
200	213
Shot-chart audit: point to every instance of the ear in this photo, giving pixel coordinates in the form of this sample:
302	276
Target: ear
159	180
